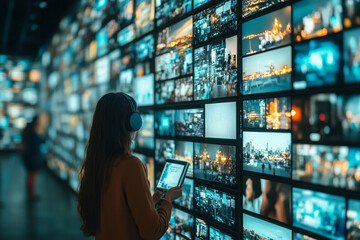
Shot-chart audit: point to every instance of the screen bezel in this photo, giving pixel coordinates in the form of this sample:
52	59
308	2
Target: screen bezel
183	174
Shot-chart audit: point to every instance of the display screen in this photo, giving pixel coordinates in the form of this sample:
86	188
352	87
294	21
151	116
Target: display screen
334	166
126	35
216	234
267	198
102	42
4	122
220	120
144	16
171	175
169	9
164	123
144	48
215	71
326	117
267	72
353	219
278	113
266	32
254	113
198	3
351	55
144	90
316	18
321	213
250	7
316	63
183	223
184	89
115	60
102	70
184	151
164	149
73	103
145	136
189	122
126	80
201	229
215	204
254	228
351	13
214	21
216	163
267	153
187	197
299	236
126	10
164	92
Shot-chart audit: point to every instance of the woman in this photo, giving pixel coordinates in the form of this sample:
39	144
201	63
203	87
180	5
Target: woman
114	198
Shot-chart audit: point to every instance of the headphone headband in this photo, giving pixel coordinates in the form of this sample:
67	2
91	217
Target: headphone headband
129	101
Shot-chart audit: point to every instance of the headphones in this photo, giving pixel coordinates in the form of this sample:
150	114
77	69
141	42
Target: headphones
134	122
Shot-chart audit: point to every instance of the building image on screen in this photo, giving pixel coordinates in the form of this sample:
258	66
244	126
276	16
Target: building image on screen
215	70
278	113
266	32
126	80
326	117
255	228
351	55
267	72
216	234
170	176
316	63
250	7
254	113
321	213
220	125
267	198
201	229
215	204
215	21
216	163
353	219
144	16
187	197
351	13
333	166
184	151
164	149
267	153
189	122
316	18
184	89
170	9
164	123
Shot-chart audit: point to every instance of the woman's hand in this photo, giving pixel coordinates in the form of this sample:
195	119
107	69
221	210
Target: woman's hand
173	193
157	196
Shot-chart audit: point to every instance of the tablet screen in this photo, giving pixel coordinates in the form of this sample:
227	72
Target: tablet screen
171	175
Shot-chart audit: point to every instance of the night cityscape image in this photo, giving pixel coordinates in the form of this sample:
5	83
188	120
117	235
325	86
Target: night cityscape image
278	113
352	55
250	7
215	204
254	113
215	71
267	72
144	16
266	32
353	219
215	21
215	163
268	153
201	229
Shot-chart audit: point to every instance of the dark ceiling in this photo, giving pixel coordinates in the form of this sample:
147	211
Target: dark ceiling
26	25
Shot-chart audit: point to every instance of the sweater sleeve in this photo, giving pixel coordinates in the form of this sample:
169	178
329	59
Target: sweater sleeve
152	223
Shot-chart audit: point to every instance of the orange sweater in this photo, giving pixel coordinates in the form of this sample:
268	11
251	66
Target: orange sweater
127	207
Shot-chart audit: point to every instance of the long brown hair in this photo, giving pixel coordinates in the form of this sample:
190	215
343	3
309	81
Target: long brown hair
108	139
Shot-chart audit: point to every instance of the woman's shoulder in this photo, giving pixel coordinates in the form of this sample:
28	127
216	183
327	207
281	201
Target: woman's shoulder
128	160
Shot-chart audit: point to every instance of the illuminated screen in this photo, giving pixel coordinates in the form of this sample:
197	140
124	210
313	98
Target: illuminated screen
267	198
326	117
254	113
198	3
215	71
266	32
351	13
189	122
201	229
183	224
184	151
351	55
250	7
321	213
216	234
184	89
4	122
126	80
215	21
264	73
215	204
215	163
278	113
144	90
144	16
164	123
164	149
73	103
187	197
145	48
254	228
145	136
334	166
126	35
102	70
102	42
316	63
165	92
316	18
267	153
353	219
171	175
299	236
169	9
126	10
220	120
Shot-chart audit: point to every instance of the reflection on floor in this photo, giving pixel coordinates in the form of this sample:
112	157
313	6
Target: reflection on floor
54	216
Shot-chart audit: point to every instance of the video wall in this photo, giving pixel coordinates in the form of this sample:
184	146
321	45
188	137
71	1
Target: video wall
262	98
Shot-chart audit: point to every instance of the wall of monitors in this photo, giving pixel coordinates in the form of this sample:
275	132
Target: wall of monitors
262	98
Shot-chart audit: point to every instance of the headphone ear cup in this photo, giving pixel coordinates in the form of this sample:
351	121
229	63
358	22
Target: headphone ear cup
135	121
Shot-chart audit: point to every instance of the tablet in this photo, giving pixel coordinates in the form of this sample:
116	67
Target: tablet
172	175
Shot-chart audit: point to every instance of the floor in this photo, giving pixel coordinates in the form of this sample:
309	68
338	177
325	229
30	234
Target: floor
54	216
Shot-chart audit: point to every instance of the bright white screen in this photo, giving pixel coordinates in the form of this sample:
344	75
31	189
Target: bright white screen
171	175
220	120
